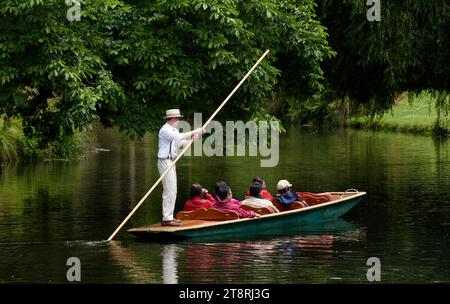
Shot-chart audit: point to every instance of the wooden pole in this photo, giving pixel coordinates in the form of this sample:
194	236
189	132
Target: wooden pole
187	147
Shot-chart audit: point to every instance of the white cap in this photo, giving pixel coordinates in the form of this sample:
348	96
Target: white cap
173	113
283	184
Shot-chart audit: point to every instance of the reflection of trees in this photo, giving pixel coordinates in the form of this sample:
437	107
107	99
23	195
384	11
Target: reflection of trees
126	258
406	178
78	195
132	170
43	216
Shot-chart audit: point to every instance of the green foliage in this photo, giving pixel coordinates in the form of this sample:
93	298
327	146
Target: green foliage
15	146
407	50
262	115
52	71
125	62
415	113
69	146
313	110
441	125
191	54
10	135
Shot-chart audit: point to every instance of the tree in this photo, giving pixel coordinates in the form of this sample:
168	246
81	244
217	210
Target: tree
408	49
125	62
52	72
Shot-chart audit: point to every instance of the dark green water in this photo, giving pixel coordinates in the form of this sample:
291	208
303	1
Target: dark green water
55	210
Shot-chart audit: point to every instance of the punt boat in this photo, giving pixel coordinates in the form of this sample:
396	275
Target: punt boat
215	224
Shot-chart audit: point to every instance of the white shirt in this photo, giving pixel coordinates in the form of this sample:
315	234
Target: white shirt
170	139
258	202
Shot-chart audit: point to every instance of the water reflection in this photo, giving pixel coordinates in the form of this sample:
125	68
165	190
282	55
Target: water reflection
170	264
132	170
253	261
138	262
127	260
230	262
320	243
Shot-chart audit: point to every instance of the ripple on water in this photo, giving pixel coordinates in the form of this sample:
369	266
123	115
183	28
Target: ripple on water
86	244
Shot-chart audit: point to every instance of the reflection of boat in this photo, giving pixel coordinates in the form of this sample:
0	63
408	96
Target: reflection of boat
310	219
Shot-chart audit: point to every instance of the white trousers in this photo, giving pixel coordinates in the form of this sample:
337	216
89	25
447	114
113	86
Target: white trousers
169	183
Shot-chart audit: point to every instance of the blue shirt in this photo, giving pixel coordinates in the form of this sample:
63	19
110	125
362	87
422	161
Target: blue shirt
287	198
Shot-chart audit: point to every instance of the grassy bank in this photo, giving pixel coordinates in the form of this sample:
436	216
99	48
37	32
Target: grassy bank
15	146
412	116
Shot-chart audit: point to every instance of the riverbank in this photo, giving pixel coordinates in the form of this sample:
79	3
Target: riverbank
417	116
16	147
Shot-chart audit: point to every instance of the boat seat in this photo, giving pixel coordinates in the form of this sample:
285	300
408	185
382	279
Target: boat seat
209	214
295	205
315	199
260	210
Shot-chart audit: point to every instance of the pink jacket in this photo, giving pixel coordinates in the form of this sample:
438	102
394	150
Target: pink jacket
233	205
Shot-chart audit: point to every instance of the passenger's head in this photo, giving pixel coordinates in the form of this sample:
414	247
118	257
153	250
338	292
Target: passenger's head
255	189
196	190
259	180
223	191
283	186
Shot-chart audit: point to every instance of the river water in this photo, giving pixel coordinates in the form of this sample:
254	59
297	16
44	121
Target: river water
51	211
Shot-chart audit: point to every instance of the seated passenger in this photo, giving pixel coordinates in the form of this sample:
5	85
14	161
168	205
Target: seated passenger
255	200
286	197
224	201
264	193
200	198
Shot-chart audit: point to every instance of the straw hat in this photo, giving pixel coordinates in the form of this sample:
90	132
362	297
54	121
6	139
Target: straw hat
173	113
283	184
